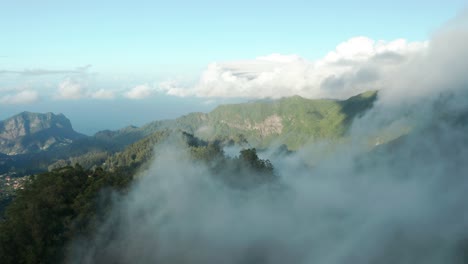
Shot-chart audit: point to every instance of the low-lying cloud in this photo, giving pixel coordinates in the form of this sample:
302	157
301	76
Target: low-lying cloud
103	94
70	89
46	83
404	202
140	92
20	97
74	89
401	205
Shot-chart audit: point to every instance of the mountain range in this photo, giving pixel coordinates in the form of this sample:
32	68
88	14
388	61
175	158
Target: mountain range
34	141
292	121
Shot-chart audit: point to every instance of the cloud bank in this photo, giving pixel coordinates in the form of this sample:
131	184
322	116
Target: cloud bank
400	203
356	65
74	89
21	97
140	92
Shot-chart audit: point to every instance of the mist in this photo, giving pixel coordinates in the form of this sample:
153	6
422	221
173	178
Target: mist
399	202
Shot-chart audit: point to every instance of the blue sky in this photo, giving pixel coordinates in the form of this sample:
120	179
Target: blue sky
152	36
130	43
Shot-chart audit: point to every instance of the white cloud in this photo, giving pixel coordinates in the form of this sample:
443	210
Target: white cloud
140	92
103	94
354	66
22	97
276	57
363	48
70	89
440	69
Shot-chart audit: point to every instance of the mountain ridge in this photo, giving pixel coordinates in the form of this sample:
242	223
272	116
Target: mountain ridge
291	122
29	132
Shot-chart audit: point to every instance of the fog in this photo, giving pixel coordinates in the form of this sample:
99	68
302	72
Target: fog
400	202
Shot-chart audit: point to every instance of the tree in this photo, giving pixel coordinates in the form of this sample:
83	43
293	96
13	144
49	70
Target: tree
53	208
251	159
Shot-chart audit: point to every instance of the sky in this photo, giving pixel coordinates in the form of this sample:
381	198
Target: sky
106	65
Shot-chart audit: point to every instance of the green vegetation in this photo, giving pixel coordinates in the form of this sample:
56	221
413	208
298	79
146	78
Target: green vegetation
253	170
137	153
52	208
69	202
292	121
46	211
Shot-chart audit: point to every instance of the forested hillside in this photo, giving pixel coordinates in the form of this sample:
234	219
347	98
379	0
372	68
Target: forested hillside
69	202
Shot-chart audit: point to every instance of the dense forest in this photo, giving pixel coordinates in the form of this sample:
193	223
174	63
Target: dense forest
69	202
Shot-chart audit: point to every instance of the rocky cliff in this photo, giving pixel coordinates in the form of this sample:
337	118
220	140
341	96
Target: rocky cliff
33	132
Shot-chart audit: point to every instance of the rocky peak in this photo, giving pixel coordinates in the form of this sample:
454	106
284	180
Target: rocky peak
30	132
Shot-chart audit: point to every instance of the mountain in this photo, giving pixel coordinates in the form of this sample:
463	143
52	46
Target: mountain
292	121
36	142
33	132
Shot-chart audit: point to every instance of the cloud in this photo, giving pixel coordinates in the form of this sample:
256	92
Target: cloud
70	89
363	48
22	97
441	68
103	94
388	206
140	92
404	202
59	84
74	89
354	66
40	71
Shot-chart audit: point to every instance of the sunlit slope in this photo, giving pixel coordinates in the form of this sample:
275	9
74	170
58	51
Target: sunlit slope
293	121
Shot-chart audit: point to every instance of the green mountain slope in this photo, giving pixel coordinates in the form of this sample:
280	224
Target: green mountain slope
293	121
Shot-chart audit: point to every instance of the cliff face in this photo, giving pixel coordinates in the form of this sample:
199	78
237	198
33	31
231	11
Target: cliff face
33	132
